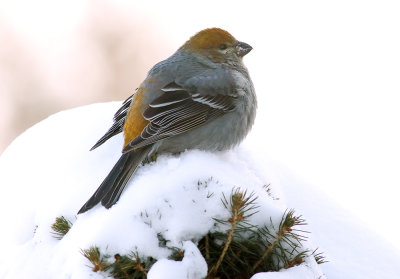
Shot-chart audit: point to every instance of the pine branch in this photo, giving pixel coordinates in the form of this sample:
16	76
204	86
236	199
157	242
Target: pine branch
240	204
235	205
269	249
297	260
236	253
285	234
319	257
94	256
207	246
61	227
177	254
130	266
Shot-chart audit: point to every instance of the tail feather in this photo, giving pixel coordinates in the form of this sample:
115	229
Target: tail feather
112	186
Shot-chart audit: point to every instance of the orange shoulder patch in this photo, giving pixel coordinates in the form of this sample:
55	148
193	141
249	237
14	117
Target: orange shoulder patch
134	122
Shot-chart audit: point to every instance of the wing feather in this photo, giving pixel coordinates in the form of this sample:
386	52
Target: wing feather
119	120
178	111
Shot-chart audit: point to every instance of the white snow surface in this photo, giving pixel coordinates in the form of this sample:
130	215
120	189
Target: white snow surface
49	172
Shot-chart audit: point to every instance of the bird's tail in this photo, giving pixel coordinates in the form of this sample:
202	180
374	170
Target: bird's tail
112	186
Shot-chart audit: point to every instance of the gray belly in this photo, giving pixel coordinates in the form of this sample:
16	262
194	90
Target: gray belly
217	135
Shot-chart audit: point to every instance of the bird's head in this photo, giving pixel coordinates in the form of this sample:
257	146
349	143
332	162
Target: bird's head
217	45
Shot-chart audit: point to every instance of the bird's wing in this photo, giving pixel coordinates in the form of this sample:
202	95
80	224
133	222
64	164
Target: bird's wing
119	120
182	108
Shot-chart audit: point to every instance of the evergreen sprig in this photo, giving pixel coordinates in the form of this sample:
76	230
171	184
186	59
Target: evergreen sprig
282	245
130	266
241	207
245	249
61	227
96	258
236	250
319	257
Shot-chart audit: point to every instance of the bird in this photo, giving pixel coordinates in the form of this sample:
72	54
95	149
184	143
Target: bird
201	98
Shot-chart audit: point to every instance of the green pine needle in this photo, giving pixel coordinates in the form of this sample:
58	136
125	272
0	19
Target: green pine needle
96	258
130	266
61	227
239	251
319	257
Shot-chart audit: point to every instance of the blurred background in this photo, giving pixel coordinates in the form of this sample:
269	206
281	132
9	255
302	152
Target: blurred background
327	74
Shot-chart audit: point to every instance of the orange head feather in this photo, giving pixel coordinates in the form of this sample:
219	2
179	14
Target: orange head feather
218	45
211	38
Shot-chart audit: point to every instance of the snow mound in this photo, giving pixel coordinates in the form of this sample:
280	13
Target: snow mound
49	172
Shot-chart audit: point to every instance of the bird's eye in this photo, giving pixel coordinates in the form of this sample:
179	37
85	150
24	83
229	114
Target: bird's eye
223	46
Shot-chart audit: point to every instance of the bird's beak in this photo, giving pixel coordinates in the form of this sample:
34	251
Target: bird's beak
242	49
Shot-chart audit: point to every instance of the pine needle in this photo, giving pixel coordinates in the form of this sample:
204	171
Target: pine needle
61	227
239	204
94	256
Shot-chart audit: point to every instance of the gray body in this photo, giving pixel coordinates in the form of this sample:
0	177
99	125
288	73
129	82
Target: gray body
204	77
191	101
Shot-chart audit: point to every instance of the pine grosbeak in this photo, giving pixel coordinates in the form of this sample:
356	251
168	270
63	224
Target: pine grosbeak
199	98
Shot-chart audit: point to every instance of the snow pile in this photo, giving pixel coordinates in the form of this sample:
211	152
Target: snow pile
48	172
